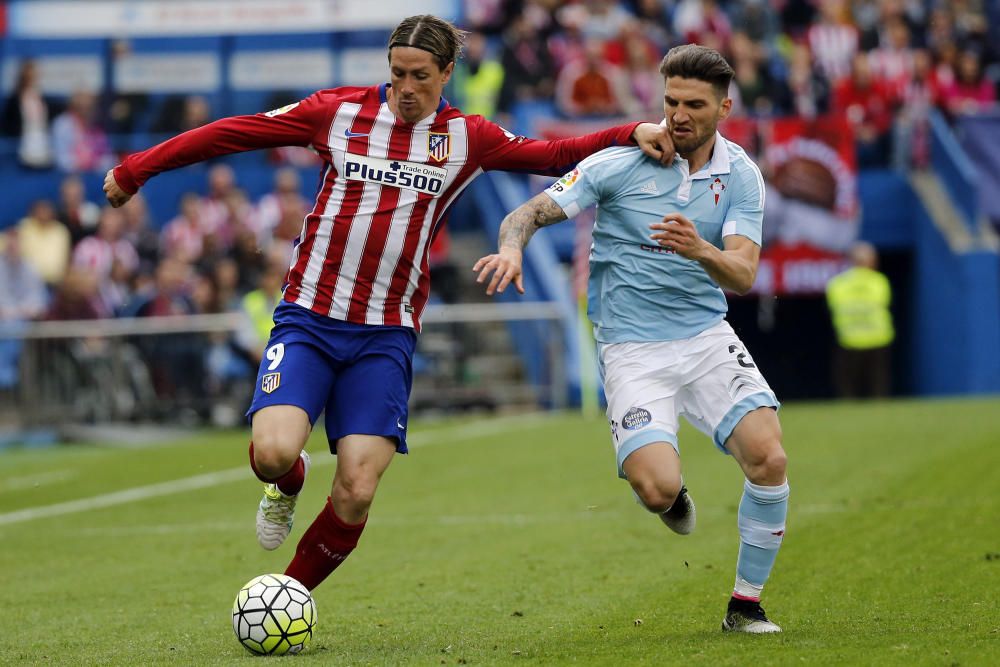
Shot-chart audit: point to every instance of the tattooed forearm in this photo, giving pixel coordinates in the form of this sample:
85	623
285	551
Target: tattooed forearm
520	224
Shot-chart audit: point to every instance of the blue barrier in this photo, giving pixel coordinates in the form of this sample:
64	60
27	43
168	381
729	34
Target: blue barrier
955	170
980	135
956	316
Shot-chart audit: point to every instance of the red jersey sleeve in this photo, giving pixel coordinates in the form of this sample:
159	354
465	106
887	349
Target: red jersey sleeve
298	124
499	149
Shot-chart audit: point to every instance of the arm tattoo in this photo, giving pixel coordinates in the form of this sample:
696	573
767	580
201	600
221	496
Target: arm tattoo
519	225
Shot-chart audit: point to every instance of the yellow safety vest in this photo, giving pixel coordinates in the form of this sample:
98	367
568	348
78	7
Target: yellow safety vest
260	307
859	301
480	90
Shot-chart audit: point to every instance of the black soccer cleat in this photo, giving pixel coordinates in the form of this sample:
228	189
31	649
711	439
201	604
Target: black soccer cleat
680	518
747	616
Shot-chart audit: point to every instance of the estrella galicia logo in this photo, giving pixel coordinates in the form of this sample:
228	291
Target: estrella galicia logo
409	175
636	418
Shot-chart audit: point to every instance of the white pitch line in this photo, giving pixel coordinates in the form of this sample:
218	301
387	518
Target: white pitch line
206	480
32	481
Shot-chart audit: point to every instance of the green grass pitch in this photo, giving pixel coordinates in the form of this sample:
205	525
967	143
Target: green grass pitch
511	541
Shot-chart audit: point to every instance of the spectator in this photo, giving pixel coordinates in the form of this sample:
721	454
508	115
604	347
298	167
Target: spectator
591	87
970	92
78	141
480	77
123	109
26	116
140	233
893	61
183	237
110	258
859	300
176	362
258	305
79	215
23	295
833	40
527	66
868	105
214	210
703	22
180	114
45	244
76	298
911	138
279	213
753	90
605	20
808	91
643	96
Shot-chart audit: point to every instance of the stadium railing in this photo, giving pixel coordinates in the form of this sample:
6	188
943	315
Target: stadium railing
186	370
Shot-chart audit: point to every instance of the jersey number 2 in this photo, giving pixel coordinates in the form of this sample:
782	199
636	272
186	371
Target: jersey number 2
742	358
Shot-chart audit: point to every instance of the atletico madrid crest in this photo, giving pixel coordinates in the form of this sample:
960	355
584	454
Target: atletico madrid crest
439	145
270	382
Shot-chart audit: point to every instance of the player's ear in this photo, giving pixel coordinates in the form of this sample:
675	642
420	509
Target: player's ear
447	71
725	108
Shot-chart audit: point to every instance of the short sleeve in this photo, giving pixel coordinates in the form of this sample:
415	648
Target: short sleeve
746	212
584	186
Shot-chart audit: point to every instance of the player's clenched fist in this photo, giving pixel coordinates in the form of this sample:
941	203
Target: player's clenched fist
116	196
678	234
505	267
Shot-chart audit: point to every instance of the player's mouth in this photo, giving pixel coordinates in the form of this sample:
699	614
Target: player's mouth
681	131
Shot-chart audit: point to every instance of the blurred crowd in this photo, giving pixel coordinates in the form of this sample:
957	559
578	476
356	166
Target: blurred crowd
72	259
886	63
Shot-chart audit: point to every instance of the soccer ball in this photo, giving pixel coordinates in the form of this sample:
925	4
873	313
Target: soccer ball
274	614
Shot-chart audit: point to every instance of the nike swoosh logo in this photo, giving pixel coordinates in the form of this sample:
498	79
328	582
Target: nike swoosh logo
348	133
398	425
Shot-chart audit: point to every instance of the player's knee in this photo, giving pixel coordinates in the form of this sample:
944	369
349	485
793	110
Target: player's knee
769	468
356	488
273	454
657	495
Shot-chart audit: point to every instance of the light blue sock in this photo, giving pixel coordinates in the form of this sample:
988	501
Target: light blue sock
762	525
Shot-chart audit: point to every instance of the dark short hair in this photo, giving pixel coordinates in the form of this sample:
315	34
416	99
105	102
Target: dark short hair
429	33
692	61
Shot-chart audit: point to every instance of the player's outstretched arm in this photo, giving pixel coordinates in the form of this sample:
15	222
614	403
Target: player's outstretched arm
116	196
654	140
515	232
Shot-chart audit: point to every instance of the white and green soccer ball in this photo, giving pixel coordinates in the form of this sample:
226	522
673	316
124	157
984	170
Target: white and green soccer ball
274	614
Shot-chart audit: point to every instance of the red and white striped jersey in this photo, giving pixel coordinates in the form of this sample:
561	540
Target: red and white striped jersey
386	186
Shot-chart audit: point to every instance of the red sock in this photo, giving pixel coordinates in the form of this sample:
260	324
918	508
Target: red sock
290	483
323	547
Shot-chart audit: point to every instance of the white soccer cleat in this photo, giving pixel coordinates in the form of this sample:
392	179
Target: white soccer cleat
680	518
748	616
276	513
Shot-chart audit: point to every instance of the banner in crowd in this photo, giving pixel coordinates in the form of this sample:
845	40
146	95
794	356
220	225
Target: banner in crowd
811	213
127	18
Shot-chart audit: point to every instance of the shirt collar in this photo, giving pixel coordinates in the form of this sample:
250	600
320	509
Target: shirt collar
719	164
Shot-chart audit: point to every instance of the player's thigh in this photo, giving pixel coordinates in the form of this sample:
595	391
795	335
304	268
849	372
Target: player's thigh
641	411
371	393
655	465
293	384
729	386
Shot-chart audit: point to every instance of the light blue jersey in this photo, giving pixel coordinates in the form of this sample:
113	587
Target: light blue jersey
638	290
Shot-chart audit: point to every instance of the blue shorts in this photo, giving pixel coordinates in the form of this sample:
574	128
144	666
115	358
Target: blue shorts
359	374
